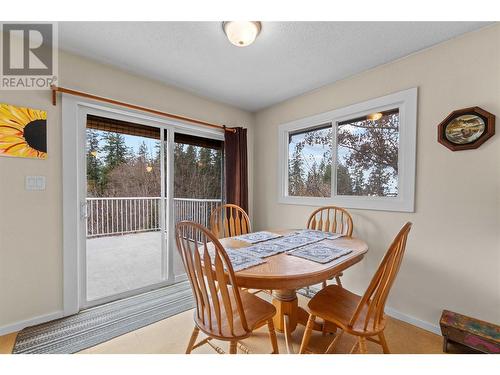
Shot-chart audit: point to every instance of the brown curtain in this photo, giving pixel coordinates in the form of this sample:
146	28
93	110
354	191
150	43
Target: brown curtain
235	146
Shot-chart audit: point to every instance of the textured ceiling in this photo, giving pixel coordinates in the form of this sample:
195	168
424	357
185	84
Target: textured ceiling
287	59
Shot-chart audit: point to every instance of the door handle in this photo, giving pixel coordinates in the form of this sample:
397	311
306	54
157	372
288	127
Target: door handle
83	211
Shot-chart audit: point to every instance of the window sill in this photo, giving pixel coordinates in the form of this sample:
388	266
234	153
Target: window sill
361	203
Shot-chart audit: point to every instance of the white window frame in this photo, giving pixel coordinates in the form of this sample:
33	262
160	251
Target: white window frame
406	102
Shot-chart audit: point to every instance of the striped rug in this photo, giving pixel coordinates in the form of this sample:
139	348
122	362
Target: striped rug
309	291
102	323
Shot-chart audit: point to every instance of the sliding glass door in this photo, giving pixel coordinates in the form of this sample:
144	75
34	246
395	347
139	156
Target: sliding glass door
140	179
124	204
197	190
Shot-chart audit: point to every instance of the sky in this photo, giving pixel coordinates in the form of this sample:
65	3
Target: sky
133	142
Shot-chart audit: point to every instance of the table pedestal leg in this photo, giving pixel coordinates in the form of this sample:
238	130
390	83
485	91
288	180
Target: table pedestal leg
285	320
286	304
289	314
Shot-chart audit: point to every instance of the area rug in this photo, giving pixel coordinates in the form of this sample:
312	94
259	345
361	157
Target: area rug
99	324
309	291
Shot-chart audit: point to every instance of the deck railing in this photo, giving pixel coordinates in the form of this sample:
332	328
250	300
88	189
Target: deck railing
121	215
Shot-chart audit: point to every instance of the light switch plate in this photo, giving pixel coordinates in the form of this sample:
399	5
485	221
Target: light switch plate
35	183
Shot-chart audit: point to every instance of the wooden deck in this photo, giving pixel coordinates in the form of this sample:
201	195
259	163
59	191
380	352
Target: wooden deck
117	264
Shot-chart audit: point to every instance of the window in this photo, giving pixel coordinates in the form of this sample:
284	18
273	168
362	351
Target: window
310	162
361	156
198	166
367	155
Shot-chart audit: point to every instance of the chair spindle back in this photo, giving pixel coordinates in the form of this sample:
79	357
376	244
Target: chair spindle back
373	301
229	220
331	219
212	279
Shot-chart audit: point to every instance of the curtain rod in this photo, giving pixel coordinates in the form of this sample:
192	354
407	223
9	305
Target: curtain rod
56	89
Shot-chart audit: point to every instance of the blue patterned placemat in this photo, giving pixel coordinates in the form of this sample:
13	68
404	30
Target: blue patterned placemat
319	234
256	237
296	240
322	252
241	260
288	242
266	244
264	249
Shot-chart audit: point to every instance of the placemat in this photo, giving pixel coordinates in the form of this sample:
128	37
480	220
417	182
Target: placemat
319	234
256	237
322	252
240	260
264	249
294	241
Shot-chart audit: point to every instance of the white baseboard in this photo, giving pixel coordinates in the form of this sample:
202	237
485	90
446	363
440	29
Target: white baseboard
413	321
401	316
30	322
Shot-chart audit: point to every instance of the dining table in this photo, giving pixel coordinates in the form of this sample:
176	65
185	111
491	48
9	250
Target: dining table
284	275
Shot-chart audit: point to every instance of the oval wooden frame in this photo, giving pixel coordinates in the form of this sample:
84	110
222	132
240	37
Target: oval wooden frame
489	120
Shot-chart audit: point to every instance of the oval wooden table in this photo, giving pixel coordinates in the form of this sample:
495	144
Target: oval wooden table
284	274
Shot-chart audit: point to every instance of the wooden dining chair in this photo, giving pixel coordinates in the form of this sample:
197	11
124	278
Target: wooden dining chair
223	311
359	316
331	219
229	220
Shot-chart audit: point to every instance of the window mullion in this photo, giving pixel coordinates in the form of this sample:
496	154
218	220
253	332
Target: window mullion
333	191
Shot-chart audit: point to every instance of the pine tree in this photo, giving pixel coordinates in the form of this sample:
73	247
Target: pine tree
344	181
358	183
217	168
325	169
94	164
377	182
115	150
206	174
186	169
295	171
115	153
142	152
314	183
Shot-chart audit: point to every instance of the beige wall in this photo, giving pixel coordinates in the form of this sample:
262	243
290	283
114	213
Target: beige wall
453	253
31	222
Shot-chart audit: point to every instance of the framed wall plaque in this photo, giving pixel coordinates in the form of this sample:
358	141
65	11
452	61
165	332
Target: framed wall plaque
466	129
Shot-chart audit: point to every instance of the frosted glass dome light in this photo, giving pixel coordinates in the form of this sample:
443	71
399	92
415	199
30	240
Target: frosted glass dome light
241	33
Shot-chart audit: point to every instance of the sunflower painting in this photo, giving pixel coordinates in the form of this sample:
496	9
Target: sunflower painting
23	132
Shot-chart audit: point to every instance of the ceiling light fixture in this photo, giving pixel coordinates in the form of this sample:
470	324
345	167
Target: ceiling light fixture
241	33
